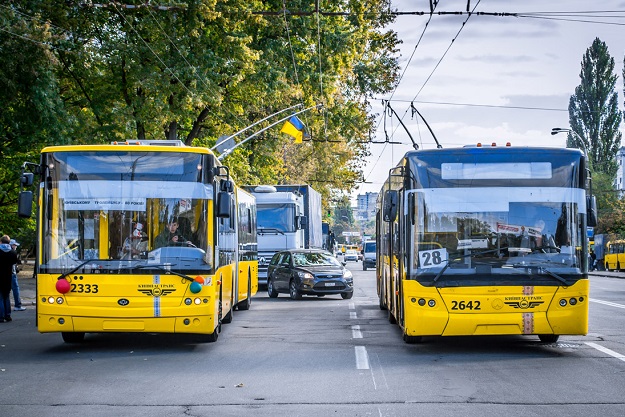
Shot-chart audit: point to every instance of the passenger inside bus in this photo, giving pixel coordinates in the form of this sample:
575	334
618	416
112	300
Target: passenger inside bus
136	245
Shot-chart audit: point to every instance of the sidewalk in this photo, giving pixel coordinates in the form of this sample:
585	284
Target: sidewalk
27	284
608	274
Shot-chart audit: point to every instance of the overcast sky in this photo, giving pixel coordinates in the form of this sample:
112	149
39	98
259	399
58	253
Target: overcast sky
503	78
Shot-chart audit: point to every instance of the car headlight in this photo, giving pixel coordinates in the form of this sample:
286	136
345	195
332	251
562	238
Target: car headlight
347	274
305	275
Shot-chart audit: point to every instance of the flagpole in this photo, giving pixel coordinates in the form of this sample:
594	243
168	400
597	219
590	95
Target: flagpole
229	151
254	124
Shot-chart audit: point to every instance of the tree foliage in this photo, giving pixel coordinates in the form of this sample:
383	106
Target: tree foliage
195	70
593	110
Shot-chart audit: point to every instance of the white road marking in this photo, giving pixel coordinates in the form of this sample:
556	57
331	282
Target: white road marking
352	306
356	333
362	359
608	303
607	351
353	315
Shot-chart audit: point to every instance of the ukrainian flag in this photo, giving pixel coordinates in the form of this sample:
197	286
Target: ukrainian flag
295	128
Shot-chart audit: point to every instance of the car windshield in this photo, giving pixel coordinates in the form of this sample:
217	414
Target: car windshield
314	259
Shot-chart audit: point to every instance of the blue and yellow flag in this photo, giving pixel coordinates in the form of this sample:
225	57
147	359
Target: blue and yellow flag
295	128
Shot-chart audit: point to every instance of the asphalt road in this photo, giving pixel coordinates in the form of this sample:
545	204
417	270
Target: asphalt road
317	357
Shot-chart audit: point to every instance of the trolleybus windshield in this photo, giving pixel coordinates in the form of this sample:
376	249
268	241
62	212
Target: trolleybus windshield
120	211
496	222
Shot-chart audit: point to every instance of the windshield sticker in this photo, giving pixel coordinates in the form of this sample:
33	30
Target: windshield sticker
433	258
473	244
134	204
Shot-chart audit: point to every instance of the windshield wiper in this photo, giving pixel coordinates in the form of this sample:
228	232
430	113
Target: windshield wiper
540	270
456	259
71	271
269	229
169	271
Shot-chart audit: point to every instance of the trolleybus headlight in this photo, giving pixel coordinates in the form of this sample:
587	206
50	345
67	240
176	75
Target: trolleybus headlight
51	300
61	320
581	299
573	301
563	303
195	287
59	300
198	301
431	303
421	302
186	322
187	301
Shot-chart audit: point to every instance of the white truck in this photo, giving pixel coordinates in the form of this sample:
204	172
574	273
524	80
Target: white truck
288	217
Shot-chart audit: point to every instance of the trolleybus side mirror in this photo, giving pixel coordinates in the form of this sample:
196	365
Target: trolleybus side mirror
390	205
27	179
227	186
223	205
302	223
25	204
591	211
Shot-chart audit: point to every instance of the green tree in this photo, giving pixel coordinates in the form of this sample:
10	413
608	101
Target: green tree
32	112
200	69
593	110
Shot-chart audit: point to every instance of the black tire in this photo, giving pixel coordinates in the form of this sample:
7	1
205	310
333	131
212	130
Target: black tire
391	318
271	291
247	303
210	338
293	291
548	338
411	340
73	337
228	317
364	266
347	295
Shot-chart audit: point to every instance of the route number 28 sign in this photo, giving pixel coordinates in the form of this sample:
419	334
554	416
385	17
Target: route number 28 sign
433	258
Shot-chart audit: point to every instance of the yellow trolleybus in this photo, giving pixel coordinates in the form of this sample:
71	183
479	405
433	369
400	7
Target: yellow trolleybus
142	236
614	258
485	241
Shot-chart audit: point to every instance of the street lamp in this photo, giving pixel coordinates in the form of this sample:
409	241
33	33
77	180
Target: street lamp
556	130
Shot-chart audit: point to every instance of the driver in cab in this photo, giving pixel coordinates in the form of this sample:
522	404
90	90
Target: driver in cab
170	236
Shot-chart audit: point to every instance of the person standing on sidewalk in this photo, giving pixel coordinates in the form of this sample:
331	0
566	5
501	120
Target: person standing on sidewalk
14	285
8	258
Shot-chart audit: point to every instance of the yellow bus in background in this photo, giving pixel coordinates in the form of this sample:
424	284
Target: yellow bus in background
142	236
614	258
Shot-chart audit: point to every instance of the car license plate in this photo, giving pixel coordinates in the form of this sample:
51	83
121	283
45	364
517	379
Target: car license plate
330	284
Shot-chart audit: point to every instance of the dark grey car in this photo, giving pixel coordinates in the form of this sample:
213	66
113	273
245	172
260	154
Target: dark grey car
300	272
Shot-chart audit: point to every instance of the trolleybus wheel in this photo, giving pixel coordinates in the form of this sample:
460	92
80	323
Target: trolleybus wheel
73	337
548	338
211	338
411	340
391	318
245	304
